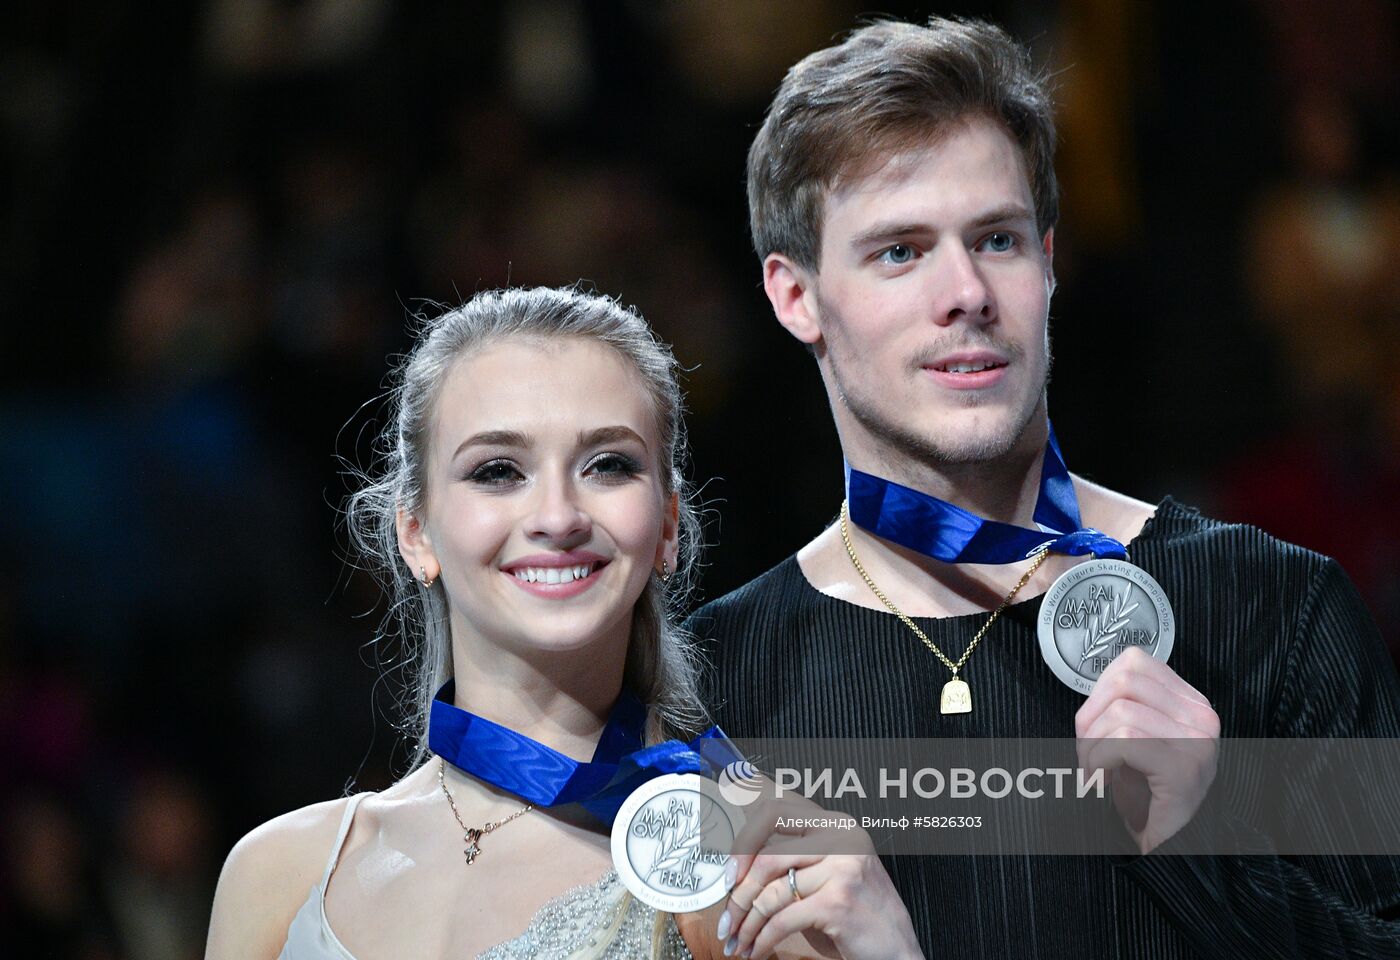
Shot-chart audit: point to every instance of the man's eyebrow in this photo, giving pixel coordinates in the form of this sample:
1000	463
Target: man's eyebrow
617	434
889	230
1011	213
494	438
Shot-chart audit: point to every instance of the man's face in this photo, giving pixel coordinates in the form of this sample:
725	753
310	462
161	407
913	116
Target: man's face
931	299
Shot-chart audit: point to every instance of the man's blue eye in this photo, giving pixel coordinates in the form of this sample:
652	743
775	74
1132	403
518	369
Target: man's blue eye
900	253
1000	242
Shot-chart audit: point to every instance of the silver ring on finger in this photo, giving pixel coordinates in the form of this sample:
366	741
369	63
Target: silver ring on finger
792	884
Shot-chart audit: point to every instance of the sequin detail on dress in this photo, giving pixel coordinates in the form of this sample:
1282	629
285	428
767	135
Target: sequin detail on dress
597	913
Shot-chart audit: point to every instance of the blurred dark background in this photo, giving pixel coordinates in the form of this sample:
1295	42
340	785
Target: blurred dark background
216	216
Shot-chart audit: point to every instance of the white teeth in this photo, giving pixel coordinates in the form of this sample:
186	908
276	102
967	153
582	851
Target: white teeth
552	574
974	367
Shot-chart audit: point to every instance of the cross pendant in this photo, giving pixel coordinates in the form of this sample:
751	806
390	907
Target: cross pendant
473	848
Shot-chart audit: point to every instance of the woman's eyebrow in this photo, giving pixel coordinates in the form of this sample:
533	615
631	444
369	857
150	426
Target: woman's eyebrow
494	438
617	434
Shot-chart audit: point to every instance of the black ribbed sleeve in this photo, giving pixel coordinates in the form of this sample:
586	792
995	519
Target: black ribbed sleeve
1274	635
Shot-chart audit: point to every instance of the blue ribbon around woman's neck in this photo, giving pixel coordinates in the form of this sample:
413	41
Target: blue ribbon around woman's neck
547	778
949	533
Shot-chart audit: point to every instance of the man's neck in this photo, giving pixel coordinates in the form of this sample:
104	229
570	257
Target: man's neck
1004	489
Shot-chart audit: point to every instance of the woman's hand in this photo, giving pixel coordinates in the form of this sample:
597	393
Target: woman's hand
812	878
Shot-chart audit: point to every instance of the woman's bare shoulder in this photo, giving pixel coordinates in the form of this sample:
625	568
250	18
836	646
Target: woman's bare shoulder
296	843
267	878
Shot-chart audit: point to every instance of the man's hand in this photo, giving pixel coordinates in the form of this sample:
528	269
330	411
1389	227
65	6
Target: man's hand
1157	736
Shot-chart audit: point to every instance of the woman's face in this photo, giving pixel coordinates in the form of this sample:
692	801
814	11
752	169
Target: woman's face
546	512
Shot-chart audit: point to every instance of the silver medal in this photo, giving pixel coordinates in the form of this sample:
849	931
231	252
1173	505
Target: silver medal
1094	612
671	840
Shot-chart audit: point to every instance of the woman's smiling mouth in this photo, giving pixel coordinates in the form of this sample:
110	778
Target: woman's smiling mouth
552	574
556	576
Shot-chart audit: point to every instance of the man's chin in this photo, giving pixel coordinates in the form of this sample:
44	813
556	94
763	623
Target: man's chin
968	450
943	435
984	440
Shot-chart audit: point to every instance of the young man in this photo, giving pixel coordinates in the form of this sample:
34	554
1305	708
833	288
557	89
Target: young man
903	202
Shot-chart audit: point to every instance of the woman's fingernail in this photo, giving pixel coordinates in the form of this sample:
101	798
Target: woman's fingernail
731	873
725	922
730	945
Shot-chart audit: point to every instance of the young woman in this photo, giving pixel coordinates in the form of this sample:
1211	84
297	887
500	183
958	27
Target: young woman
532	524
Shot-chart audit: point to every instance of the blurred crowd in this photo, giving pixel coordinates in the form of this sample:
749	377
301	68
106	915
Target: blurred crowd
219	216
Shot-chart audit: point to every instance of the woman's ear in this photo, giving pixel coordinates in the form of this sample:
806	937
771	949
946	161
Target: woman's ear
416	548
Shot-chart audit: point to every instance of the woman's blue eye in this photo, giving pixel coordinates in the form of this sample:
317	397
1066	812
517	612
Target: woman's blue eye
614	466
495	473
898	255
999	242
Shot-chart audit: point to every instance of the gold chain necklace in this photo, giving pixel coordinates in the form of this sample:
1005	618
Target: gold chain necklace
956	697
472	835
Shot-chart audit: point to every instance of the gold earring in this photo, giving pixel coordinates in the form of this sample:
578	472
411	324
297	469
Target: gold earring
423	576
665	573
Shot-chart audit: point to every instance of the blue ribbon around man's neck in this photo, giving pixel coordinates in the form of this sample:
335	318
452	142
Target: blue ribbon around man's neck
543	776
938	529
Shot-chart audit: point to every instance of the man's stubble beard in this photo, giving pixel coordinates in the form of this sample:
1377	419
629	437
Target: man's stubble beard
898	441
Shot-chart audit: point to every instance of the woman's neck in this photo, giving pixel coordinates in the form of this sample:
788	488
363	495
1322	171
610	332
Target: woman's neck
561	699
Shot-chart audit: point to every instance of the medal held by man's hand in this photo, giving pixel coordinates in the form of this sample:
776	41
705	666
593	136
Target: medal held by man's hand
1094	612
1091	614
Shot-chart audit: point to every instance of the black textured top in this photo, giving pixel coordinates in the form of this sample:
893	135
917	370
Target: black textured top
1274	635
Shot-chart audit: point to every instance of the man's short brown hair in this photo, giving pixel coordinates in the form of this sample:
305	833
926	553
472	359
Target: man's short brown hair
888	87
